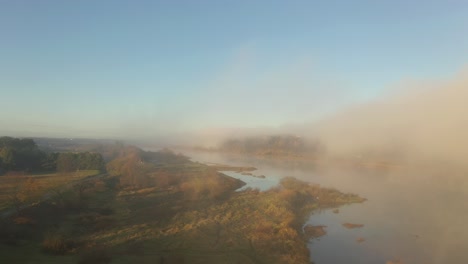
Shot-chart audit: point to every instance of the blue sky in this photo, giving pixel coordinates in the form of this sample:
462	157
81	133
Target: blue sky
144	68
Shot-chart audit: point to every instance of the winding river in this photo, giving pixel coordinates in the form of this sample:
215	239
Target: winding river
412	217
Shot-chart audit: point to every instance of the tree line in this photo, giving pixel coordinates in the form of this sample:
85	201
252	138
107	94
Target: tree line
135	166
22	154
271	145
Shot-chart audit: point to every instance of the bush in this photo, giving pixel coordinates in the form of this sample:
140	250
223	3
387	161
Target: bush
55	243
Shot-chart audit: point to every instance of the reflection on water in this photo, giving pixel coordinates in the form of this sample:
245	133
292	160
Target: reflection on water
254	182
418	217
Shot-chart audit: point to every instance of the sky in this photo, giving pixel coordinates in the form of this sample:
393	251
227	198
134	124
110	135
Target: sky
142	69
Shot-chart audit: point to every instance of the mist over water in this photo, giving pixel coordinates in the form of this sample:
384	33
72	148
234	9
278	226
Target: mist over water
416	210
376	87
416	215
417	122
422	122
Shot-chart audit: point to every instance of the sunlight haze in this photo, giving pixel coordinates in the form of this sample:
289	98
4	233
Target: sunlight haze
153	68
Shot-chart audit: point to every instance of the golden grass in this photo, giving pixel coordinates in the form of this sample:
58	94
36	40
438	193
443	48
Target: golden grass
191	215
247	227
36	185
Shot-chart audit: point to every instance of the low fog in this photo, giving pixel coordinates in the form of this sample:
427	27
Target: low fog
417	121
421	121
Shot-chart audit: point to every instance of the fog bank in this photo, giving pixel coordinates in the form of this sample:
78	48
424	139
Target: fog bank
422	121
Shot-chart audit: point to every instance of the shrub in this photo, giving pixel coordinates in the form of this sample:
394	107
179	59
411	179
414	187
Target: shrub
55	243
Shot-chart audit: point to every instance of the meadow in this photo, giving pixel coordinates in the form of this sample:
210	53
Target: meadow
23	188
173	212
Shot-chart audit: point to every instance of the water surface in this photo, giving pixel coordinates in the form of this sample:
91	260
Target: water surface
418	217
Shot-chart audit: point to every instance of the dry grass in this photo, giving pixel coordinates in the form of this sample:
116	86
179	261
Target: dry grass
191	214
35	186
196	226
57	243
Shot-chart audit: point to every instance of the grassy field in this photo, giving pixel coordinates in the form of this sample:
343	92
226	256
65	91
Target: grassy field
30	187
189	214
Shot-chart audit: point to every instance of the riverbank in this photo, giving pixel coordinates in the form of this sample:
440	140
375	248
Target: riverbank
195	216
316	160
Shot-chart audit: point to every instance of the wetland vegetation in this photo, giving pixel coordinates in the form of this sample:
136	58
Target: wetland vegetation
160	207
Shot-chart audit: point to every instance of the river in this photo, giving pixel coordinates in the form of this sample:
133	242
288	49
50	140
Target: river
415	217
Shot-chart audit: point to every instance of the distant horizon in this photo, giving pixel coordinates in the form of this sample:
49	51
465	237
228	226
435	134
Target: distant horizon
123	70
